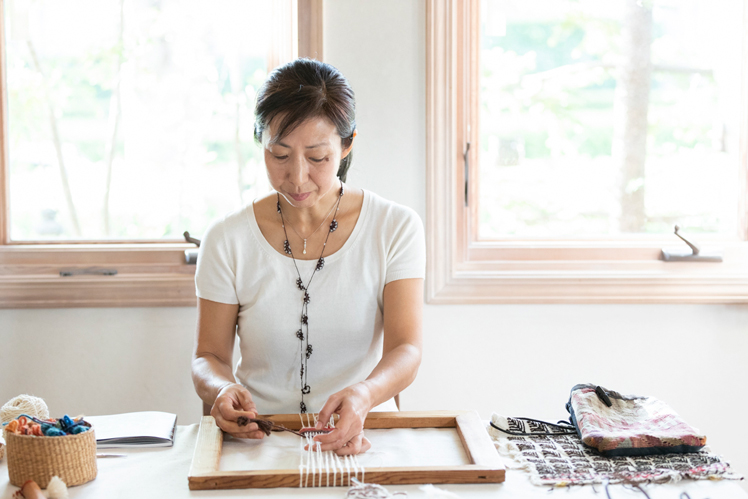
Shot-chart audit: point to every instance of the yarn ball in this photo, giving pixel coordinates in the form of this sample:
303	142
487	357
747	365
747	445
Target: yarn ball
24	404
51	431
56	489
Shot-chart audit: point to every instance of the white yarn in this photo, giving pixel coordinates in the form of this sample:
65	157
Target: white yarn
24	404
317	463
369	491
56	489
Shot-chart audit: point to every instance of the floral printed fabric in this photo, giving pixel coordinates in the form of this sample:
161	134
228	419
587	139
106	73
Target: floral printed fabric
631	426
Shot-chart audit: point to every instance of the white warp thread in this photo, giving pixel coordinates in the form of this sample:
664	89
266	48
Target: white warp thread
317	463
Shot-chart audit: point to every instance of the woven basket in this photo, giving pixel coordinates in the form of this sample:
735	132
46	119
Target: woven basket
71	457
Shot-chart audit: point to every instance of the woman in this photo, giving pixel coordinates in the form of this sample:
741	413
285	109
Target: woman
322	282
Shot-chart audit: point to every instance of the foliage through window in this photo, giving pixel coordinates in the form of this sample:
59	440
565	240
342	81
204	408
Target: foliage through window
131	119
605	119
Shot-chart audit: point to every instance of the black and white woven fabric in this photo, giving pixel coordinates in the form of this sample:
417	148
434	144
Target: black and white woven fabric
556	456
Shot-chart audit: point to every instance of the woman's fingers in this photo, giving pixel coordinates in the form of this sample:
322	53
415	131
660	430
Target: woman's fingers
250	430
232	410
246	401
255	435
331	407
333	440
357	445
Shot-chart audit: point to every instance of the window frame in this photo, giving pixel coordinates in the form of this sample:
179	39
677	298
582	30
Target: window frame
149	273
463	269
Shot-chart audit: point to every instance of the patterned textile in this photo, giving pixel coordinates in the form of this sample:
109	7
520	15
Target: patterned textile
630	426
555	456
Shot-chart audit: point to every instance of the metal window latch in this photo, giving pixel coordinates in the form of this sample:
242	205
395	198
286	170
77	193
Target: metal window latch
190	255
693	254
87	271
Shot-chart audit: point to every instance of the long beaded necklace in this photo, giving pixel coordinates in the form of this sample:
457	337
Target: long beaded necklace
303	332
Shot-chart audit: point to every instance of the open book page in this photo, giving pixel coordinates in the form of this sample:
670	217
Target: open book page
141	429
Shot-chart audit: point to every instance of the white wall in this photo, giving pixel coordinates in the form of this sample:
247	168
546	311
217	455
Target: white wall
513	359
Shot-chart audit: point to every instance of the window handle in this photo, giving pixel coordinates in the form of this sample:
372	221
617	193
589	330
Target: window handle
191	239
466	158
694	254
190	255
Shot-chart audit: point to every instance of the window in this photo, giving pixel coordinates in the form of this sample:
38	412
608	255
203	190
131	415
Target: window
527	131
124	127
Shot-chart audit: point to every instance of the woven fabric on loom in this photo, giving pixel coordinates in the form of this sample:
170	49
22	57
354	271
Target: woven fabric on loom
554	457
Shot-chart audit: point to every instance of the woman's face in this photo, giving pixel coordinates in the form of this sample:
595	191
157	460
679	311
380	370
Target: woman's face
302	166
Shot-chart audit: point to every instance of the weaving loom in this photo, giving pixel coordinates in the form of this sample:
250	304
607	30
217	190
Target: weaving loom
320	469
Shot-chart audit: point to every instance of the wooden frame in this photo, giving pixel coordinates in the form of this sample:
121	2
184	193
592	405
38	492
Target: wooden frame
149	273
310	29
463	269
485	467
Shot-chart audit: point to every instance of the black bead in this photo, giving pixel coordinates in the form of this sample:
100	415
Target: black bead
302	408
287	247
304	319
309	351
302	372
333	225
278	207
306	297
306	390
320	263
300	334
300	284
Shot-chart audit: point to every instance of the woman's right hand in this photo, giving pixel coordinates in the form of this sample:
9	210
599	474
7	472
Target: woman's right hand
232	402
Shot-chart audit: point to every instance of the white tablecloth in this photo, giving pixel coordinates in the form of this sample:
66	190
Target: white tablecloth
162	473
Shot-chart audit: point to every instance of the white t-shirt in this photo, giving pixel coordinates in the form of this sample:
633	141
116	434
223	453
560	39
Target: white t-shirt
237	265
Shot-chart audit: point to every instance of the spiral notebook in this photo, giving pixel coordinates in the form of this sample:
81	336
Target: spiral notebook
134	429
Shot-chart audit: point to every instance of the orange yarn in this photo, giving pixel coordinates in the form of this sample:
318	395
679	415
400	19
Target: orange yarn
22	426
12	426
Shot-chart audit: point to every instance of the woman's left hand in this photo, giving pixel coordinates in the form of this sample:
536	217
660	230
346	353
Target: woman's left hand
353	405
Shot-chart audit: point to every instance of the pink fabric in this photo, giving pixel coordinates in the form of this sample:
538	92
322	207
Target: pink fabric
635	423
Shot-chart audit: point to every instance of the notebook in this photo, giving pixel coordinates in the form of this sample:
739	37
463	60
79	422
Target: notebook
134	429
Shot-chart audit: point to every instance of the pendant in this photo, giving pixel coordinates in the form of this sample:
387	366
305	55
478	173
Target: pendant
304	252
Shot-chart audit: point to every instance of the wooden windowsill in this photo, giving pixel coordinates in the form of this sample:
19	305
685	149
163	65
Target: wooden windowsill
605	275
147	276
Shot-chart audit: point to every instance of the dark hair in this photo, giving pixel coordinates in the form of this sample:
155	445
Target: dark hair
304	89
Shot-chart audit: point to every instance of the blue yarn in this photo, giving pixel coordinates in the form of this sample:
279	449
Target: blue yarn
66	423
78	429
53	432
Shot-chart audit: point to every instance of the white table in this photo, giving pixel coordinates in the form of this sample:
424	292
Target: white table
162	473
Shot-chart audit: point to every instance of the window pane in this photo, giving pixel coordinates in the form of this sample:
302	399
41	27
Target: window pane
606	118
132	119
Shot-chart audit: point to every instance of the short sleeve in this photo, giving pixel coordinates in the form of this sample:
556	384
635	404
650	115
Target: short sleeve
215	277
406	258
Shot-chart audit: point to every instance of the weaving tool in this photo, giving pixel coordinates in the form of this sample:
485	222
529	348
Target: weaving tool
265	425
